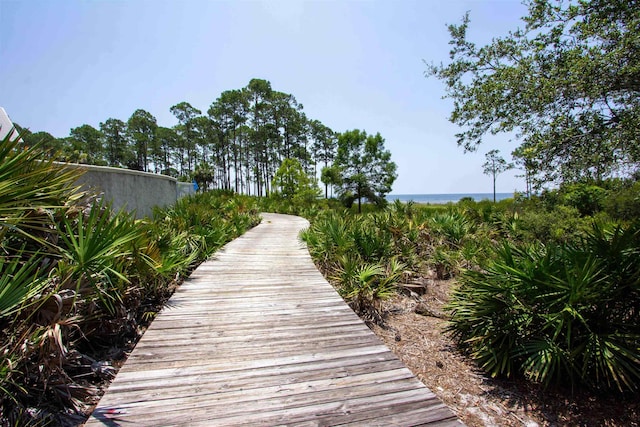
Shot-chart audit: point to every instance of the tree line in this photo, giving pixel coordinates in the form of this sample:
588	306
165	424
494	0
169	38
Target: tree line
238	144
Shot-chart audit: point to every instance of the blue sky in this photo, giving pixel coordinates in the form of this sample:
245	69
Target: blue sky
352	64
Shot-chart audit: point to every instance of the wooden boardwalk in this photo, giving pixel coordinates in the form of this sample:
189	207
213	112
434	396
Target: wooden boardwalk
256	336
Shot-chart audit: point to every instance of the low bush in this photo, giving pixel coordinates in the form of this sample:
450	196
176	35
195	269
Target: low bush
452	228
562	224
624	203
366	285
557	313
588	199
364	255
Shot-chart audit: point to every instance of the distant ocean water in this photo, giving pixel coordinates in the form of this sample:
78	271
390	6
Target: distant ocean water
440	199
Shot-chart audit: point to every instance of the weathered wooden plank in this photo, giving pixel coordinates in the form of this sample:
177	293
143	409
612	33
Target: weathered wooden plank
273	338
247	352
433	413
224	370
228	335
186	385
243	391
347	409
229	327
184	359
244	404
256	336
250	360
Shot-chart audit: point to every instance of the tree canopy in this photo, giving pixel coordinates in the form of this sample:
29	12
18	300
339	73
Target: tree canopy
494	165
291	182
366	169
88	139
142	128
566	84
115	134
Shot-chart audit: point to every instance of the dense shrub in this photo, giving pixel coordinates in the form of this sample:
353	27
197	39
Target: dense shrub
565	313
587	199
624	203
365	255
451	227
562	224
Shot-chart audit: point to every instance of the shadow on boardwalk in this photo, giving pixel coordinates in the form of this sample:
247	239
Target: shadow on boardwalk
256	336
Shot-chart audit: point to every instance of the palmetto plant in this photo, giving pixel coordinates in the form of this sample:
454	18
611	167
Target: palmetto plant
410	240
452	226
507	224
371	237
557	313
328	238
365	285
364	256
445	262
30	184
95	252
19	283
32	192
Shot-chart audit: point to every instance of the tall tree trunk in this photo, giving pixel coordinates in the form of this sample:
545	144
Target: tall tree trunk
494	188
